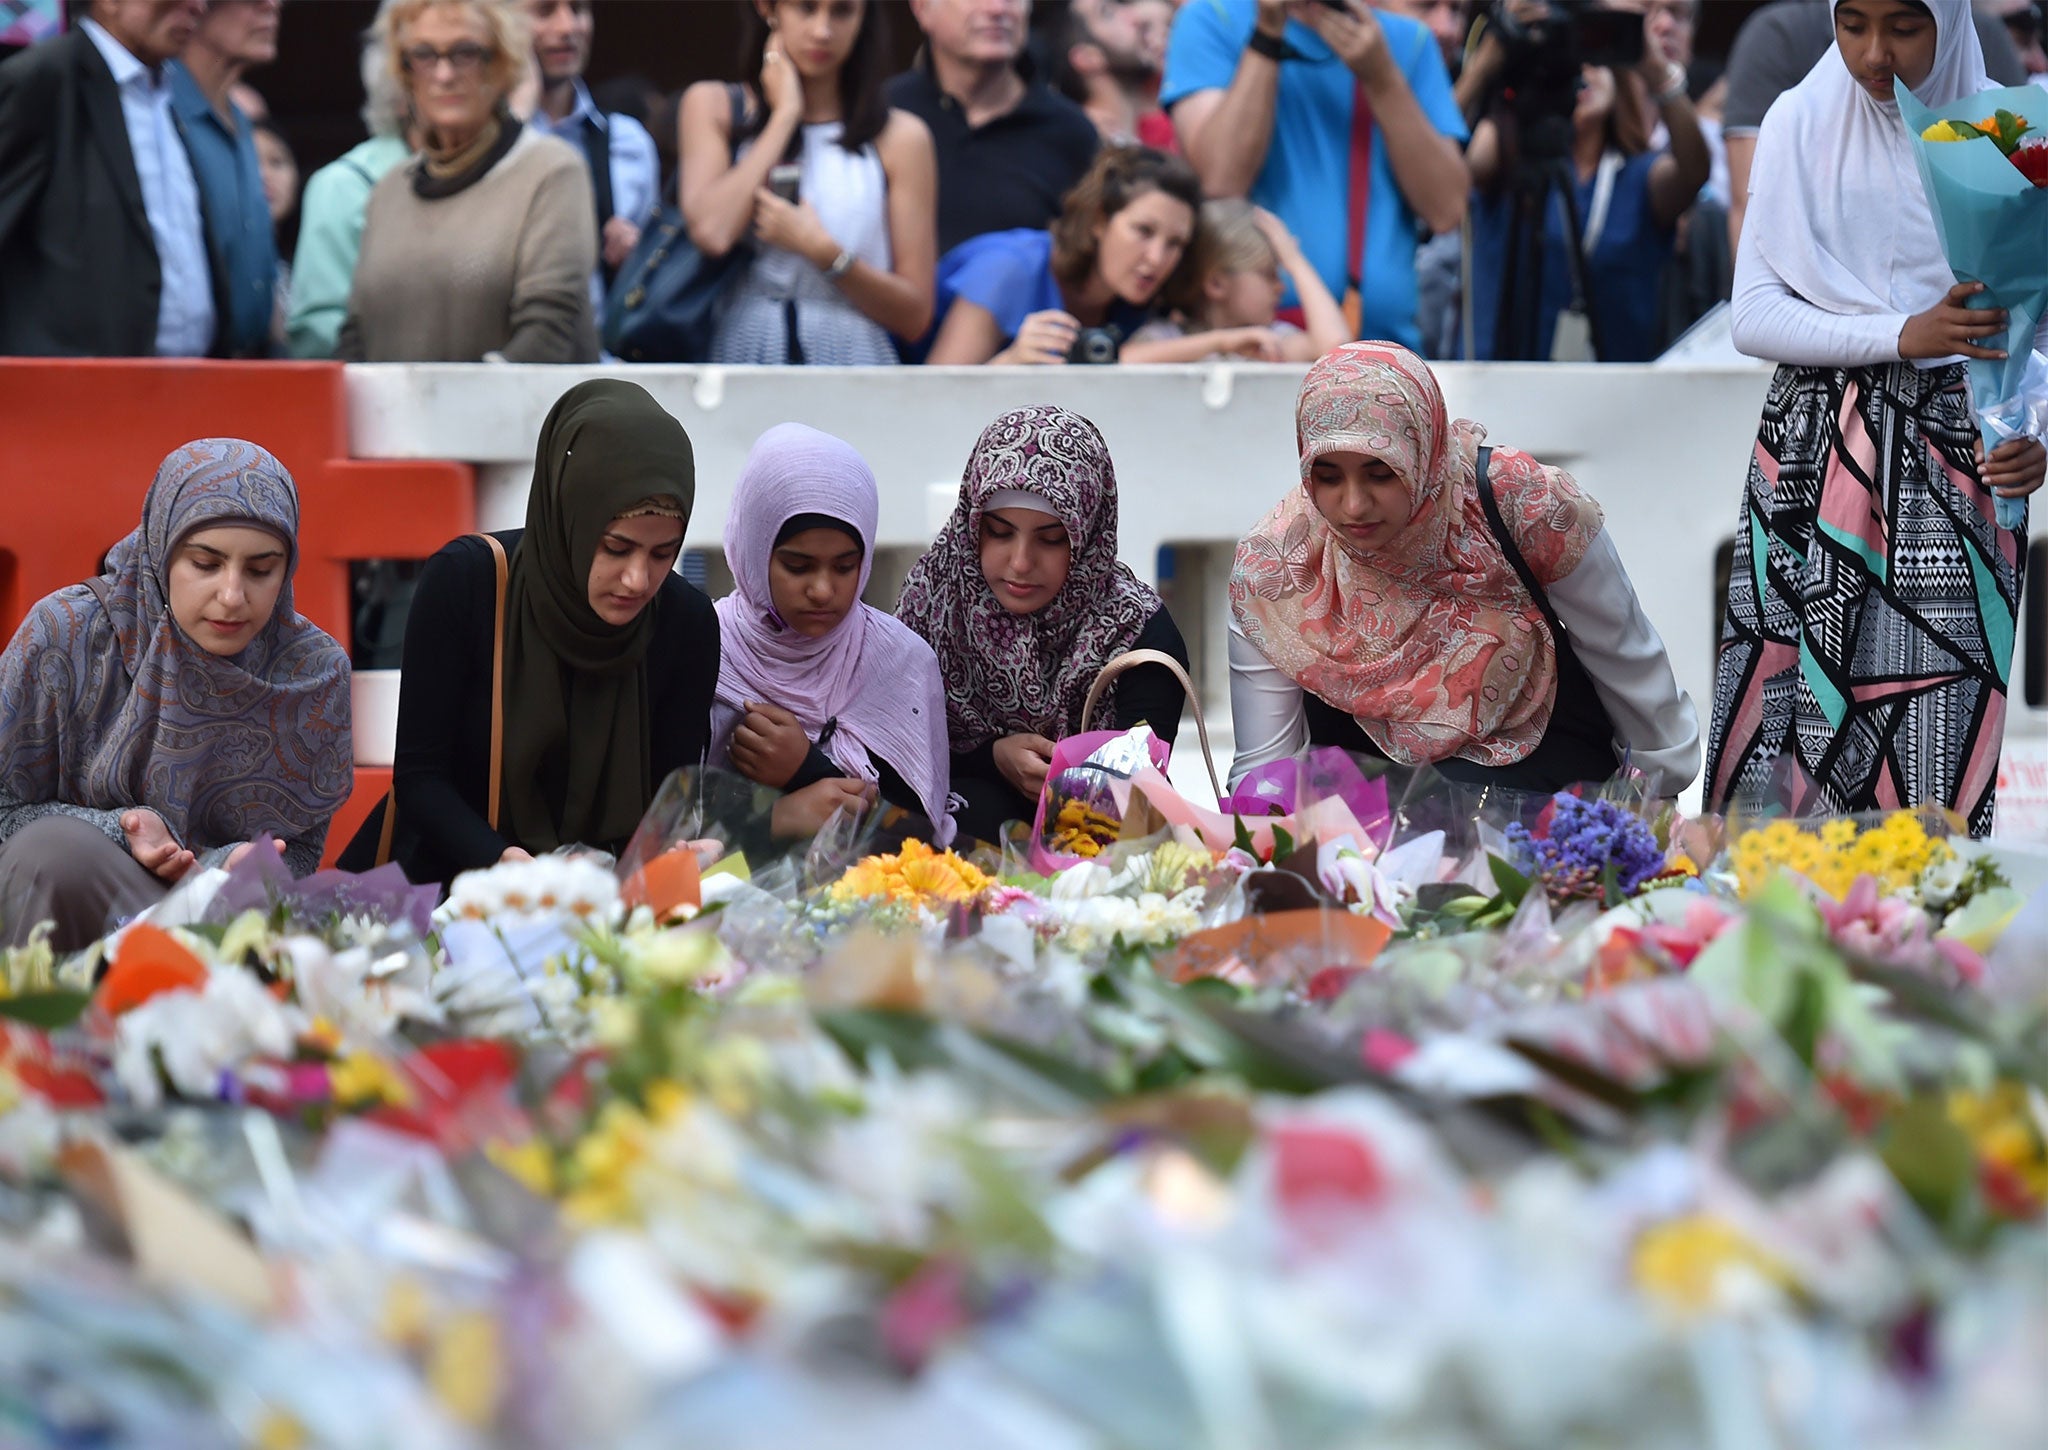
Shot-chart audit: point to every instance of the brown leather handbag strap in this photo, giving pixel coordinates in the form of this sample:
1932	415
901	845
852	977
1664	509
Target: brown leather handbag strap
390	826
385	831
497	787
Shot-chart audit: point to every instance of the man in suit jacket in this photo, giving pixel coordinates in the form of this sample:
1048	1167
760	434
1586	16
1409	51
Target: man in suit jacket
103	249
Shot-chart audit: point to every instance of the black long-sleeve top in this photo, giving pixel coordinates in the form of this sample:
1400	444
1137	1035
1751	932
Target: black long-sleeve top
1147	695
440	773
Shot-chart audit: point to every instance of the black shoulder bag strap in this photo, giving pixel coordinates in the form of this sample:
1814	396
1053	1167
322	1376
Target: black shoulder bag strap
597	147
1509	547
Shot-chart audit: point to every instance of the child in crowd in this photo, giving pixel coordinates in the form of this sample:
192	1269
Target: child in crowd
1230	298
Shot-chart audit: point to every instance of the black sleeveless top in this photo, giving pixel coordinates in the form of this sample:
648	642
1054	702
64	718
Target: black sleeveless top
1577	744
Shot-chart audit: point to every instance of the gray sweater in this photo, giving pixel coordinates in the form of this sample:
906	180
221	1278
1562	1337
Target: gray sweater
501	267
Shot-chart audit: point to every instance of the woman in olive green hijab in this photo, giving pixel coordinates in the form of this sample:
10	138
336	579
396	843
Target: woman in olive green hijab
610	658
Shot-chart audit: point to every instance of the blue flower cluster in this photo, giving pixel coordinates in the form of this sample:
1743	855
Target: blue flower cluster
1585	839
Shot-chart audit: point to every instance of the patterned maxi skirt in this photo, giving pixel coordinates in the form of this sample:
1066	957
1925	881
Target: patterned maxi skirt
1869	631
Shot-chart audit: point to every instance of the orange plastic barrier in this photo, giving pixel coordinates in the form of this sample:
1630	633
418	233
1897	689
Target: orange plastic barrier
84	438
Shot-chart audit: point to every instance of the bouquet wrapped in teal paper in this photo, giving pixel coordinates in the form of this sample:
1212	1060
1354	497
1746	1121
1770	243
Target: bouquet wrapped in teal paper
1981	161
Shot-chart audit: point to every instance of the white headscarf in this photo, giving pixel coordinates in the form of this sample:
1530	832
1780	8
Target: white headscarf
1836	206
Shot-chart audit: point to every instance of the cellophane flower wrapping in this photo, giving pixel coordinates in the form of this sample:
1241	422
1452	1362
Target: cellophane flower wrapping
947	1151
1993	224
1087	789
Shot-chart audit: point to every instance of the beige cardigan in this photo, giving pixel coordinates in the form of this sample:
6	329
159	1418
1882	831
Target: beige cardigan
501	267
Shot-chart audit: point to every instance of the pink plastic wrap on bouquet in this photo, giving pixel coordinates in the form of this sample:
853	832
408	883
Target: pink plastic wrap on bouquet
1323	820
1282	787
1082	771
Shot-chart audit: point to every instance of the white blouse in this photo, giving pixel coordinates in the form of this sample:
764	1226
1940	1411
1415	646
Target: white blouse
1770	321
1623	654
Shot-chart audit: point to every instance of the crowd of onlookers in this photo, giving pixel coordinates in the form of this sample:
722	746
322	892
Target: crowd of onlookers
1135	180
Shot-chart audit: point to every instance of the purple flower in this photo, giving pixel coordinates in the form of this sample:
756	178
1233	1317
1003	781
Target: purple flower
1585	840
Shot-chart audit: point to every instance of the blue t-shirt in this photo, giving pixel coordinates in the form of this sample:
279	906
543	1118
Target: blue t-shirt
238	222
1306	179
1625	274
1009	274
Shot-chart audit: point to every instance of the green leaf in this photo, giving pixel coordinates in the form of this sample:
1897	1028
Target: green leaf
1056	1070
1512	883
1244	836
1930	1157
1808	1017
862	1031
1437	895
47	1010
1593	1083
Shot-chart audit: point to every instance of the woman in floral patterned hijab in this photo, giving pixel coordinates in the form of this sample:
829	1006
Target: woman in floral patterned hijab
1377	607
1024	600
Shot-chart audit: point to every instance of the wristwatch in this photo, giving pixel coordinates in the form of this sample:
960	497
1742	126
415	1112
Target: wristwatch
841	265
1273	47
1674	84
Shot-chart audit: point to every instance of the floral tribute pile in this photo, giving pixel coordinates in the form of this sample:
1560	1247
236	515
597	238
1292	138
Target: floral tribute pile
1428	1121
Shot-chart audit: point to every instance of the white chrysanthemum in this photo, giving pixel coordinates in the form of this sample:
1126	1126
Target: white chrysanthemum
200	1035
1079	882
361	993
571	886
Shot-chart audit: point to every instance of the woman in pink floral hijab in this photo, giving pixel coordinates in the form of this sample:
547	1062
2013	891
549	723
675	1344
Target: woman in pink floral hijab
1379	607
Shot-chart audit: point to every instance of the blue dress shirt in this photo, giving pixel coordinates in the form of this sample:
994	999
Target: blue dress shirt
237	215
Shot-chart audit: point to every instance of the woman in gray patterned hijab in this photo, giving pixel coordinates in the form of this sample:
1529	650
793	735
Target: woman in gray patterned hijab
173	709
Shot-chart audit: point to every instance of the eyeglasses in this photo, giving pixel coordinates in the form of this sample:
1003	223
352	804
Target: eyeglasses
465	58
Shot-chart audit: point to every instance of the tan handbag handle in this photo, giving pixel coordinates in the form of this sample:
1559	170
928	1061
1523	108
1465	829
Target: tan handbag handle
497	776
1131	659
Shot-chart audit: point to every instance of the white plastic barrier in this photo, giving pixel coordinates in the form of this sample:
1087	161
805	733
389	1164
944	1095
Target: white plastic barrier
1201	452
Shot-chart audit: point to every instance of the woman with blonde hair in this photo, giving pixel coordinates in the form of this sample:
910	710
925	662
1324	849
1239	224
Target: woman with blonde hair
1227	299
481	248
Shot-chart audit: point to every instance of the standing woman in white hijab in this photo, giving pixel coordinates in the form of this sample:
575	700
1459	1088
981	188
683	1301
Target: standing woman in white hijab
1869	633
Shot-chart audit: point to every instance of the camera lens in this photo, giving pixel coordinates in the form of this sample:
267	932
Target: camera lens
1094	346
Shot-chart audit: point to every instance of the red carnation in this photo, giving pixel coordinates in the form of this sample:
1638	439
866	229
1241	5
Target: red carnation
2032	160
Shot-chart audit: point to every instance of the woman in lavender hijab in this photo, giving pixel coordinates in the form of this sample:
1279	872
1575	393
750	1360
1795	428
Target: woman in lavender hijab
819	695
172	711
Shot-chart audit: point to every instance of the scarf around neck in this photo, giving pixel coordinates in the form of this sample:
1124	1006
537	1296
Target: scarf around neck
577	761
1431	642
105	702
445	173
1010	673
870	680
